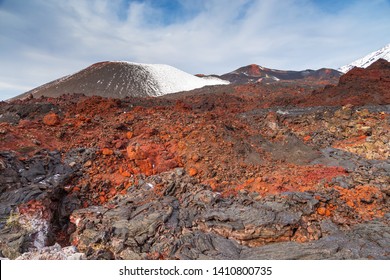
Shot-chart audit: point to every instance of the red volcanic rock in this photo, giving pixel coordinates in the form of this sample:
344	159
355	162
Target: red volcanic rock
35	208
151	158
165	165
145	166
192	171
51	119
135	153
362	75
321	211
363	199
358	86
107	152
129	135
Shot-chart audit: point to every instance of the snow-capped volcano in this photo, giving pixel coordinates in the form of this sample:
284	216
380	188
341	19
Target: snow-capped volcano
119	79
368	59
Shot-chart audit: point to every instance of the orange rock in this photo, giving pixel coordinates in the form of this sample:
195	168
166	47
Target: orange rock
128	185
362	137
112	191
250	181
195	157
350	203
258	180
126	174
321	211
135	153
51	119
129	135
107	152
131	153
165	165
192	171
145	166
102	199
213	184
365	200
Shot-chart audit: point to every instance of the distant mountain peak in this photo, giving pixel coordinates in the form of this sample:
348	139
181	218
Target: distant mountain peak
367	60
254	73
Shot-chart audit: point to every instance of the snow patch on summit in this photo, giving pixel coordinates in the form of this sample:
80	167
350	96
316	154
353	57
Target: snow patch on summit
369	59
170	79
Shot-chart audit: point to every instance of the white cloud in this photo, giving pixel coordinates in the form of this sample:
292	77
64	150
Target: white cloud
43	40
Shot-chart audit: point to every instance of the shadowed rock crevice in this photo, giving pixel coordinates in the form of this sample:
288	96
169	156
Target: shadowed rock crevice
35	206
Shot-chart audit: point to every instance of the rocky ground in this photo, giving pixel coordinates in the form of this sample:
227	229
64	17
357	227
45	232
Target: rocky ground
278	171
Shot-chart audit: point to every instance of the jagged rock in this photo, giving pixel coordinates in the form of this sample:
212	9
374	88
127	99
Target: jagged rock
366	241
32	199
202	225
29	110
9	117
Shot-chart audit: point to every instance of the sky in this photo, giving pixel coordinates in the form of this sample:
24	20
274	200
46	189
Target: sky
42	40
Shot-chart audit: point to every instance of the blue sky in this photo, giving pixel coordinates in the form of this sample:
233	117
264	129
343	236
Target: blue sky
41	40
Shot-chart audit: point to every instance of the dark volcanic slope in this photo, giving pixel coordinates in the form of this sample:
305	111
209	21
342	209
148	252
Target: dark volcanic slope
107	79
254	73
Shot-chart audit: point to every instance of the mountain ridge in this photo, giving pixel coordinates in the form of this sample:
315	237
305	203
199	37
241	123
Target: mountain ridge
368	59
254	73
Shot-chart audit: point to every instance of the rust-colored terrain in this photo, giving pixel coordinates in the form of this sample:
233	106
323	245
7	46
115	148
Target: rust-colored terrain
287	170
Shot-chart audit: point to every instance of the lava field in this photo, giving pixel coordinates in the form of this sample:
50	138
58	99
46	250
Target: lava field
283	170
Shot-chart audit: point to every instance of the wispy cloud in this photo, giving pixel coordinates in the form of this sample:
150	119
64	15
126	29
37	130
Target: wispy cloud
43	40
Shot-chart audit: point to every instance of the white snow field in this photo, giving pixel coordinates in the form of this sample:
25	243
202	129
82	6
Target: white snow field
368	59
